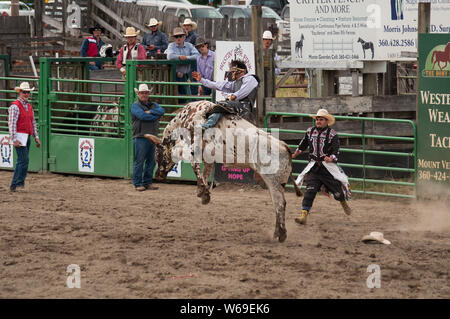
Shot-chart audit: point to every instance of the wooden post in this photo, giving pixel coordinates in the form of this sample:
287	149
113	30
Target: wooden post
424	17
256	37
355	83
14	8
370	84
38	12
64	17
225	28
423	27
269	73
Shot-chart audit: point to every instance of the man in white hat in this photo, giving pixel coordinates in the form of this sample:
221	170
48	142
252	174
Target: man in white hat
145	116
131	50
155	42
267	43
22	124
267	39
322	170
189	26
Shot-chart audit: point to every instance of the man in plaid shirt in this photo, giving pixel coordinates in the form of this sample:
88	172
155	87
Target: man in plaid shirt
22	124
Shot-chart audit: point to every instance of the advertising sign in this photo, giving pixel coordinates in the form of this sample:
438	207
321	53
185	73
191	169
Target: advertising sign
359	29
226	51
433	116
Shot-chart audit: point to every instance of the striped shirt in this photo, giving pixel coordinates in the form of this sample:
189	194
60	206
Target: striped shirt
14	113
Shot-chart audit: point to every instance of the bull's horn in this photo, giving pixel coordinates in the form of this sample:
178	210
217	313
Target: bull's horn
155	140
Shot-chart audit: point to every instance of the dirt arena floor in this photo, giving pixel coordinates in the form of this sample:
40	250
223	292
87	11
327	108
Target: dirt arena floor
165	244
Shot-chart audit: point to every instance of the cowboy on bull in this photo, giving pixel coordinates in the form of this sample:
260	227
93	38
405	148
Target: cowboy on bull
242	88
322	170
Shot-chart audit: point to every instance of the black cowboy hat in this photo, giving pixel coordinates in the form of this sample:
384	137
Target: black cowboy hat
96	27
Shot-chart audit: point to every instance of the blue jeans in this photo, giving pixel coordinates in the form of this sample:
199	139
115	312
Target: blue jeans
144	161
20	172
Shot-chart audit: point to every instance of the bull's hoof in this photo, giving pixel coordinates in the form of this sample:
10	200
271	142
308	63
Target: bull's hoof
281	235
200	192
206	199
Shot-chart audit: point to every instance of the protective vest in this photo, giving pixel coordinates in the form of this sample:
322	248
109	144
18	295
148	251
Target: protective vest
92	50
251	97
134	53
25	121
140	128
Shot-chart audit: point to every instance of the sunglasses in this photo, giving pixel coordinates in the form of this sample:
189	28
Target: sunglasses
178	36
26	92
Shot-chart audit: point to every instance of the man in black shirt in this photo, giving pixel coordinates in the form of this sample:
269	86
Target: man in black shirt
322	170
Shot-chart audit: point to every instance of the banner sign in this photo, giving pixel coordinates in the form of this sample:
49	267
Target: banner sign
226	51
6	152
86	152
433	116
359	29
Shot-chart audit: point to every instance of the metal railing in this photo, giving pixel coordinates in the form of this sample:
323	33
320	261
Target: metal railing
166	89
365	151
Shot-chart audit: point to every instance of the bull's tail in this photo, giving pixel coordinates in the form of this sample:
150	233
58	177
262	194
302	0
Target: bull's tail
298	191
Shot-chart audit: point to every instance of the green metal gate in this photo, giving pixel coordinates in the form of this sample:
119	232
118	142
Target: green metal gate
81	138
407	187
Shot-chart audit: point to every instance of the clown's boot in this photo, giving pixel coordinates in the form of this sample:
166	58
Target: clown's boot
302	218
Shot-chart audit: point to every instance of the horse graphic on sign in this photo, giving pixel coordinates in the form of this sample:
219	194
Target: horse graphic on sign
441	56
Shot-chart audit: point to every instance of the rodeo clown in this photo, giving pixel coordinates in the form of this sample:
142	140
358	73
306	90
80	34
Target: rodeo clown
322	169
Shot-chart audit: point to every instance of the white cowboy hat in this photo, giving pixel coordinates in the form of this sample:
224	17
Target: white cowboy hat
268	35
154	22
189	22
324	113
142	88
131	32
24	86
374	237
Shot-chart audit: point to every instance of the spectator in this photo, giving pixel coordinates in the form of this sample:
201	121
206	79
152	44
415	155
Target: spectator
145	117
205	64
90	47
156	41
181	50
189	27
131	50
22	124
267	44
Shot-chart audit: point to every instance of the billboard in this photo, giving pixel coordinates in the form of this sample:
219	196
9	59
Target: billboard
359	29
433	116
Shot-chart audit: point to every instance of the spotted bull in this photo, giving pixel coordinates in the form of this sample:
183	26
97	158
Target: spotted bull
106	113
234	142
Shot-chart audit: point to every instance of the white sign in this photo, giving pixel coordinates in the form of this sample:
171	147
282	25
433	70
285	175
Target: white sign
86	152
226	51
324	30
6	152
